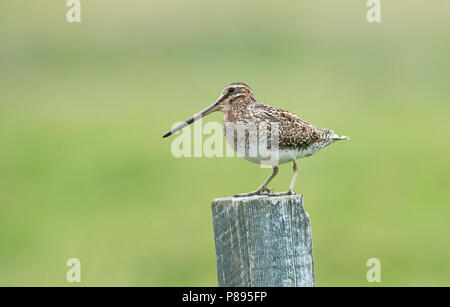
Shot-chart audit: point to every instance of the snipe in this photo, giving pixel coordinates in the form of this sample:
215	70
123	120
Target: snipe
296	138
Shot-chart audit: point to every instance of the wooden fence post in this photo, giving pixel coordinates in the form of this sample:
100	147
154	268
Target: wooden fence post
263	241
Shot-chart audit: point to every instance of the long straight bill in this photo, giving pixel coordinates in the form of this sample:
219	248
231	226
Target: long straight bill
194	118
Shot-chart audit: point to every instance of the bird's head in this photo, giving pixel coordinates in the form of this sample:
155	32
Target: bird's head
234	94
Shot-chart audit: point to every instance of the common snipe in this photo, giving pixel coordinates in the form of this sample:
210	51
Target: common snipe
296	138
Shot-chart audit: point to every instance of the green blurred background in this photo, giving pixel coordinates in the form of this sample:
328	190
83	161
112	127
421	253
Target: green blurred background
84	172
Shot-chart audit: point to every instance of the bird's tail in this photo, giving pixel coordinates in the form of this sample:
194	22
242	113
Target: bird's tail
339	137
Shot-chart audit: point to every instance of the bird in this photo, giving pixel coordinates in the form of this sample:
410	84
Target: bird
294	137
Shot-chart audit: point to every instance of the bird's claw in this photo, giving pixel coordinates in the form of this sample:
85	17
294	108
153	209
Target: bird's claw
289	192
263	191
267	192
248	194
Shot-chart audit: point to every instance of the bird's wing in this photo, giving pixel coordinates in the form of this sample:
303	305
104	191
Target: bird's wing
294	132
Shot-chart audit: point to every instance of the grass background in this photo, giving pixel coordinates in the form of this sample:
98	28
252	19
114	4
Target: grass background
84	172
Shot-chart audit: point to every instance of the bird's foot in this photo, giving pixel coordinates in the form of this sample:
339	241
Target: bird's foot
257	192
262	191
289	192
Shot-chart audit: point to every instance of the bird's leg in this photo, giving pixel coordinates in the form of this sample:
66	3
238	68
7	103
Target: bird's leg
291	186
294	177
263	188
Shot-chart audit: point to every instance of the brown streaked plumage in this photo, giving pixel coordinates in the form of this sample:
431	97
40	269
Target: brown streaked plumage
296	137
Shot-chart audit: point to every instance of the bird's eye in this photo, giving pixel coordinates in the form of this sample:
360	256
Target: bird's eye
231	89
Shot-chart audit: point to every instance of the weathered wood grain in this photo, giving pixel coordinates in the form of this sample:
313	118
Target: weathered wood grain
263	241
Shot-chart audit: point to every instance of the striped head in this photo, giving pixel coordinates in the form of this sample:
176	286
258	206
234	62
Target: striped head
237	92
